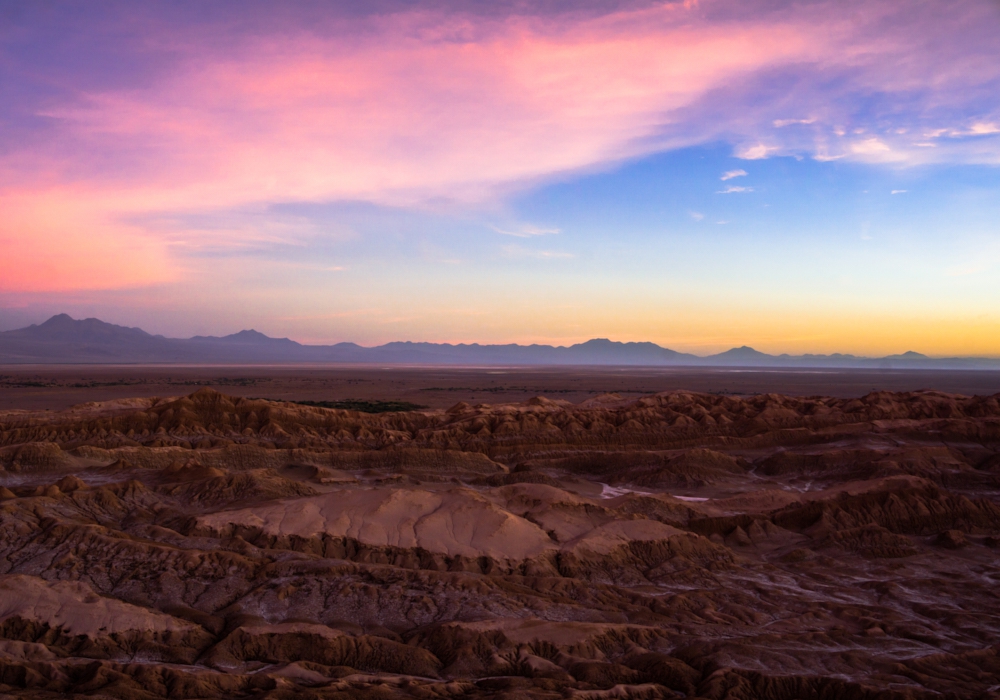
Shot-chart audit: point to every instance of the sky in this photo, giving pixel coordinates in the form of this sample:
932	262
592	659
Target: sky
815	176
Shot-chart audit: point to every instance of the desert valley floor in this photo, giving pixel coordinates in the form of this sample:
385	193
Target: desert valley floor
191	533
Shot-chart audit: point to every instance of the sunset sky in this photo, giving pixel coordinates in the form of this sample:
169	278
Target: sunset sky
795	176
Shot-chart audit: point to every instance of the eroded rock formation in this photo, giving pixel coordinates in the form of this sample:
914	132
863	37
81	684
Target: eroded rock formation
676	545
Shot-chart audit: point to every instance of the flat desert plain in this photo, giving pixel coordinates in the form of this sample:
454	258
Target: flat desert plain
530	533
61	386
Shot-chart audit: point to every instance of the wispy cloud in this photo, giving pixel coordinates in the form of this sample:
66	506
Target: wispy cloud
898	192
313	267
413	108
980	128
734	189
526	231
983	129
756	151
730	174
779	123
697	216
871	147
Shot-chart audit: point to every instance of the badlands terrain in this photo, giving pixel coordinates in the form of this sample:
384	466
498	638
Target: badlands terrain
613	545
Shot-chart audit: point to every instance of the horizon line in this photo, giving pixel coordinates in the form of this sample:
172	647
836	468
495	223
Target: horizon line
896	355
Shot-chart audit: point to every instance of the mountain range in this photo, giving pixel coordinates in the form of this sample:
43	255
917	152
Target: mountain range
64	340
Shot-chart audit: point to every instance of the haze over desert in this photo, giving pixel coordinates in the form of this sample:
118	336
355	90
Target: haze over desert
509	350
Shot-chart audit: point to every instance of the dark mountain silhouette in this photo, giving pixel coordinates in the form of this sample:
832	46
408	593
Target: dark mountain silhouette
740	356
63	339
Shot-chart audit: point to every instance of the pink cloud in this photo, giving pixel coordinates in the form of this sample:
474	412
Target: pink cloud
417	108
398	118
63	239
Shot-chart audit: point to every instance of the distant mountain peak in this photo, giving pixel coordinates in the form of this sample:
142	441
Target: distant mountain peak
66	328
606	342
254	337
248	335
598	343
908	355
744	351
58	320
62	338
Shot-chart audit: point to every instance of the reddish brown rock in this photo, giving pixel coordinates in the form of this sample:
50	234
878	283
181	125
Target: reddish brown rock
716	546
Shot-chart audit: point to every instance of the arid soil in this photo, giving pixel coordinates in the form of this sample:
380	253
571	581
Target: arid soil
57	387
669	545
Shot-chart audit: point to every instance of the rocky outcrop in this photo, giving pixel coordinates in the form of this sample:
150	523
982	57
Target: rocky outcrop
675	545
